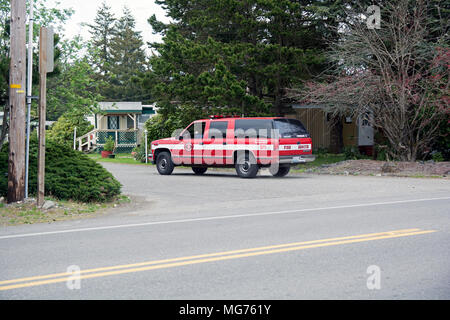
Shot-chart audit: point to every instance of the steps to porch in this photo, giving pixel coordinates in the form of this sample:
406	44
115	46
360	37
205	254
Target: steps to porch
125	140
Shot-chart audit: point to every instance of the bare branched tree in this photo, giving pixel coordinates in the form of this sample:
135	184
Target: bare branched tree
398	73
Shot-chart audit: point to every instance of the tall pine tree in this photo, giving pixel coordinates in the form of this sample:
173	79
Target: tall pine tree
128	61
267	45
102	32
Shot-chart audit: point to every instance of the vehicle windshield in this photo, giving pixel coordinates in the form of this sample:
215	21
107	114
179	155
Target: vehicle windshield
290	128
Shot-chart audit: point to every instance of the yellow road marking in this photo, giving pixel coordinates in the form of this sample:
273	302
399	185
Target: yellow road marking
219	256
204	256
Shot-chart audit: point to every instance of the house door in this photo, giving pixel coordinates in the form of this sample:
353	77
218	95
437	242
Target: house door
365	131
113	124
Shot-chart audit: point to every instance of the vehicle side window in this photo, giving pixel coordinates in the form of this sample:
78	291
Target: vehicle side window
254	128
218	129
195	130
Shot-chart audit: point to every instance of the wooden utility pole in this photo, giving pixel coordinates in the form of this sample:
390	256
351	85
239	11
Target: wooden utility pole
16	161
45	65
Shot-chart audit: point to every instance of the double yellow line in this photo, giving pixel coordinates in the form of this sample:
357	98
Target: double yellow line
203	258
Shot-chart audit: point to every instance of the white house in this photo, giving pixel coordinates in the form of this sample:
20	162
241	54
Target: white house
122	121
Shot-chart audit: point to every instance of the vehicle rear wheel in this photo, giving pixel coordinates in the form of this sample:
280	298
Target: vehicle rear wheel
199	170
246	166
164	163
282	171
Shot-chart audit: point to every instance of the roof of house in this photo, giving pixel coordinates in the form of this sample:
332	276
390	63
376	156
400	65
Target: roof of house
120	107
306	106
127	107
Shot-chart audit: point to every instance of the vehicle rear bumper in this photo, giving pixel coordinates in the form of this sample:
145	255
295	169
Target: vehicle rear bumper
297	159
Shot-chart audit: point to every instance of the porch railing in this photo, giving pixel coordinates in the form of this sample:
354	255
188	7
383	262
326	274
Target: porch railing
98	138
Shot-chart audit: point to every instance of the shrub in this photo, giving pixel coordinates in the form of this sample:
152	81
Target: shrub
437	157
109	144
381	152
69	174
63	129
352	153
139	151
164	125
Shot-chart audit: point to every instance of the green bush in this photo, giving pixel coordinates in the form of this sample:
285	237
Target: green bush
69	174
437	157
139	151
352	153
164	125
381	152
63	129
109	144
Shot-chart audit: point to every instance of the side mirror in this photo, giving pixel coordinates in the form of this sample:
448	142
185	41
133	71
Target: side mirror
180	138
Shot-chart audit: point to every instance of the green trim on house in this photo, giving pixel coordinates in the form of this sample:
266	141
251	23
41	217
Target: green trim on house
148	111
120	111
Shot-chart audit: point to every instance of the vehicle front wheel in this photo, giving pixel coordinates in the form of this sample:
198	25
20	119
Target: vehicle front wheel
199	170
246	166
282	171
164	164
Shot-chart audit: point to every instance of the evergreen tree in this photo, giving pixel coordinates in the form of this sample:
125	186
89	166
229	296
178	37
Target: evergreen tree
269	45
102	31
128	61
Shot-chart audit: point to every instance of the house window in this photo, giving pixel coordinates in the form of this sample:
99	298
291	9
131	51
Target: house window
130	123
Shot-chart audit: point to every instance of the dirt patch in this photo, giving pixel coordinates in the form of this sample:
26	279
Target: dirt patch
384	168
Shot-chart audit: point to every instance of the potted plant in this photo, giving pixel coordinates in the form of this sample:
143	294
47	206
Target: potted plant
108	148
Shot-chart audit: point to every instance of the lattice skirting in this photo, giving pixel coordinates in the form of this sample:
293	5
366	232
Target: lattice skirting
120	149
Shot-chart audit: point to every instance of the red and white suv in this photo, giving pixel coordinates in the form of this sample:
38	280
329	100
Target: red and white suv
244	143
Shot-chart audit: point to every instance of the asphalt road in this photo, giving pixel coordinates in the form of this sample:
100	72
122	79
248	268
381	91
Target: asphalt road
221	237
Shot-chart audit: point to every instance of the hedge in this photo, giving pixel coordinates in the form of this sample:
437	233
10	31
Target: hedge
70	174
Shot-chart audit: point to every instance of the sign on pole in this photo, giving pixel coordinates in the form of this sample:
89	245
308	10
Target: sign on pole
50	52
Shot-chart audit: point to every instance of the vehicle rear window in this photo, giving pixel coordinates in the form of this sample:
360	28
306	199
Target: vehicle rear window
253	128
290	128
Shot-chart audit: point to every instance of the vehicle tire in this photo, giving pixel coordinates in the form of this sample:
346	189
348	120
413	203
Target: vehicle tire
199	170
282	171
246	166
164	163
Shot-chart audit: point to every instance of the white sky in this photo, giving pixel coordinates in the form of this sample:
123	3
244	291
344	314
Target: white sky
85	11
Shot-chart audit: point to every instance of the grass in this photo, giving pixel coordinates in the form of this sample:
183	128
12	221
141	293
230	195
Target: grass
28	213
321	159
125	158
